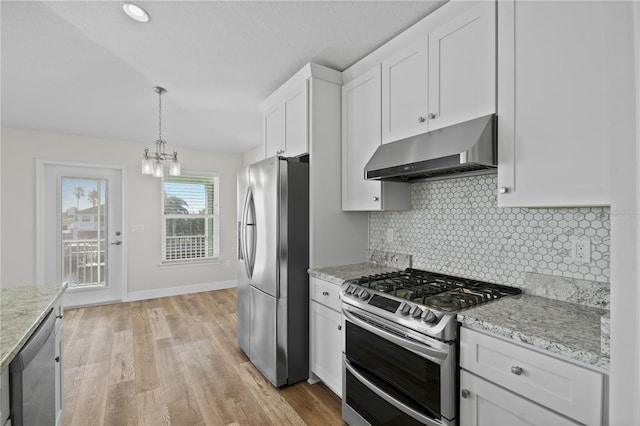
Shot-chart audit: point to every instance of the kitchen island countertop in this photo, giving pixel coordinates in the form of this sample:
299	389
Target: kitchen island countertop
339	274
22	309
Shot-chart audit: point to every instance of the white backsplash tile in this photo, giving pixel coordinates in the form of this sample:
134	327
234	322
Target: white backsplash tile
455	227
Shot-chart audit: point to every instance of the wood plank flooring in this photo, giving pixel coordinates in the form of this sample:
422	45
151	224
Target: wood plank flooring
175	361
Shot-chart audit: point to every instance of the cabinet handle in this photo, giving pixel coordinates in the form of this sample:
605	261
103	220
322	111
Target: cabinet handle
432	116
465	393
516	370
503	190
59	316
421	119
325	293
340	327
376	198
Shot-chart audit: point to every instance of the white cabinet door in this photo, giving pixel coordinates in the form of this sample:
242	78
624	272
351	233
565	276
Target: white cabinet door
483	403
286	125
361	136
462	67
404	93
273	137
296	123
326	346
360	139
556	102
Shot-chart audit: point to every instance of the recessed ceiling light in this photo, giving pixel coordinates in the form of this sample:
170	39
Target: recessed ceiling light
135	12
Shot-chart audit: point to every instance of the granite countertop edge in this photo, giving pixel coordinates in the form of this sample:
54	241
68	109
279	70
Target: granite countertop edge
17	345
476	319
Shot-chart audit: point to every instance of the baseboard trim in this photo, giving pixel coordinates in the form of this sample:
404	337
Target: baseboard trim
176	291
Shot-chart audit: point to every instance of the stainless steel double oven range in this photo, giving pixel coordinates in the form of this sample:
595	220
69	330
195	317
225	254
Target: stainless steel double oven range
400	361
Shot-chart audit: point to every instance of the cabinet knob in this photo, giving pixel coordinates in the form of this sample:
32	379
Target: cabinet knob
465	393
280	151
57	359
376	198
325	293
421	119
503	190
340	327
516	370
432	116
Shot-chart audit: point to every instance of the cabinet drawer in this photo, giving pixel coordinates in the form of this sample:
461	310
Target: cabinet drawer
559	385
326	293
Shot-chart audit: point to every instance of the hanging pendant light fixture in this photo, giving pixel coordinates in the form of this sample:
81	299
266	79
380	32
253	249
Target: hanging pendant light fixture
152	162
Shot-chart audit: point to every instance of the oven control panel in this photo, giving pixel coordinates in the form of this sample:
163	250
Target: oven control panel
390	304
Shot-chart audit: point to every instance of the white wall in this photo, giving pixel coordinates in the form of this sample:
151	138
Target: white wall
625	224
255	155
21	148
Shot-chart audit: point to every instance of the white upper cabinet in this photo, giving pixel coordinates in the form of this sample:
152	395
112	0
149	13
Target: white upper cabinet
285	122
462	67
361	136
404	93
445	77
560	85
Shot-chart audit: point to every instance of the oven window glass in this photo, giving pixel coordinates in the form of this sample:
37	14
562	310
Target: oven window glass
417	378
372	408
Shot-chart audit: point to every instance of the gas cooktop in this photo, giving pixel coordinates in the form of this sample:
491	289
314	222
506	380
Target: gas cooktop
443	293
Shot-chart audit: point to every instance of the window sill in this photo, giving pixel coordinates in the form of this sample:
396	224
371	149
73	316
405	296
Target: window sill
187	263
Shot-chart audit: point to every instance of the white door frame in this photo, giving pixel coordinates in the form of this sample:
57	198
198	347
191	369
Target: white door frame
40	216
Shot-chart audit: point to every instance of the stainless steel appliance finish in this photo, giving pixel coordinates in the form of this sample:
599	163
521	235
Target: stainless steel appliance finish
462	149
273	258
32	378
400	352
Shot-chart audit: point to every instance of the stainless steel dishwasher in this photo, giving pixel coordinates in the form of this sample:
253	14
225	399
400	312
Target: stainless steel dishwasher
32	378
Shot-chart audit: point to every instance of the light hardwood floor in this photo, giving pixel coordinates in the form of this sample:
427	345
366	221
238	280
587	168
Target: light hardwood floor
175	361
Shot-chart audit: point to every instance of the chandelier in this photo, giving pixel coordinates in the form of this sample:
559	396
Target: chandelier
152	161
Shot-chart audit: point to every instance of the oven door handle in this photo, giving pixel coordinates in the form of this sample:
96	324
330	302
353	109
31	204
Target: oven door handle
422	349
397	404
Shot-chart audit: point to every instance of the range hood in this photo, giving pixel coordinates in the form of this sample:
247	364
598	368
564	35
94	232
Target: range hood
468	148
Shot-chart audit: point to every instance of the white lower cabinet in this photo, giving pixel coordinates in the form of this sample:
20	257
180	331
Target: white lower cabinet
325	334
505	383
483	403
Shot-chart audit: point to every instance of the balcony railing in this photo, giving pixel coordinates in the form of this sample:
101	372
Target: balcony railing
83	263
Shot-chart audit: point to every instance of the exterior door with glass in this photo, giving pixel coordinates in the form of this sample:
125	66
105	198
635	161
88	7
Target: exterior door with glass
81	211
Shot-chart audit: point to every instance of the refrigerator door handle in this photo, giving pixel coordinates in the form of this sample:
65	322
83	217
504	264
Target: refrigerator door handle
248	213
240	249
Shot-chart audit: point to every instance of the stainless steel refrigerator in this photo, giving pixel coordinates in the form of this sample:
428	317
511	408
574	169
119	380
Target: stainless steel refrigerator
273	258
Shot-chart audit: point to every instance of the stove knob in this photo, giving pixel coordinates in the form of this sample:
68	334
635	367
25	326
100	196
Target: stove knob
349	290
405	308
416	312
429	317
364	295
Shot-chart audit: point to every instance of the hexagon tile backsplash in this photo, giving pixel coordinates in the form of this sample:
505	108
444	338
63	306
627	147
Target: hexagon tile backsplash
456	227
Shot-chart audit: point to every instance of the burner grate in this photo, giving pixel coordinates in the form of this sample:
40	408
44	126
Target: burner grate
441	292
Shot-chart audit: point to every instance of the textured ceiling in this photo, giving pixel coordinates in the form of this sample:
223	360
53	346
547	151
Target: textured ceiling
83	67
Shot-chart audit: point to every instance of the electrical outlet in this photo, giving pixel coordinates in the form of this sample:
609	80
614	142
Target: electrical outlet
581	250
389	235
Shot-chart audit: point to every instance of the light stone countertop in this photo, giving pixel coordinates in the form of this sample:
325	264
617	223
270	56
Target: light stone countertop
339	274
567	329
22	309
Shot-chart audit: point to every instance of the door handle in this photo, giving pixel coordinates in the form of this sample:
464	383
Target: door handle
117	243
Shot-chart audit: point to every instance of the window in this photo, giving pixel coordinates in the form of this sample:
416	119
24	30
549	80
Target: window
190	218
